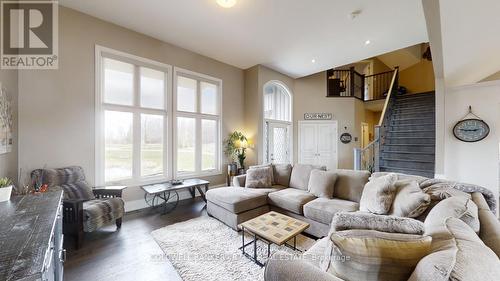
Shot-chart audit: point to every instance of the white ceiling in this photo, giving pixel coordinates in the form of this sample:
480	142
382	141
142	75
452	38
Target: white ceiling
284	35
470	40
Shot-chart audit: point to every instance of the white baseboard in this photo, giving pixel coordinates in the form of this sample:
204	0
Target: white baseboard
134	205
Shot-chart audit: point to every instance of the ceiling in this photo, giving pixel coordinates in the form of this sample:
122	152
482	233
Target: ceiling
470	47
285	35
404	58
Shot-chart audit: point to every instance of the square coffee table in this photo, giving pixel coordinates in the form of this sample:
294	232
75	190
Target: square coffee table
272	228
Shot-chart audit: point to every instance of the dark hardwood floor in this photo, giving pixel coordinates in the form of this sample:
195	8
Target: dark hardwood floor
129	253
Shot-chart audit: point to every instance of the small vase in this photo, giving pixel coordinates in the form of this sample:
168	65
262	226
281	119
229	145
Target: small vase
5	193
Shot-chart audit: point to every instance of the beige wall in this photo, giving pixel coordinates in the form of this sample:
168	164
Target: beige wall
379	66
478	162
310	96
493	77
255	79
8	161
418	78
56	108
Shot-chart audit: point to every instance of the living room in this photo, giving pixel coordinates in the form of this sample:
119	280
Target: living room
152	126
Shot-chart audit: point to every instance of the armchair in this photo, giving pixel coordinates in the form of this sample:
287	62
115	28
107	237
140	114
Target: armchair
85	209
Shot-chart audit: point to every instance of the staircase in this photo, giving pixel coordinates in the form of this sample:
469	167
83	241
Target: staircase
408	142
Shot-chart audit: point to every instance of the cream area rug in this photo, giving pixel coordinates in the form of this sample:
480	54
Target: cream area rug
206	249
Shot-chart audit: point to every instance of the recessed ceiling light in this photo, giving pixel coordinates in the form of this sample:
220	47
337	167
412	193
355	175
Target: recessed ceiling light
313	60
367	42
226	3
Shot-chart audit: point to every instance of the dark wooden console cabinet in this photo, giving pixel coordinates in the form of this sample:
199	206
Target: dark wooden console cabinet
31	239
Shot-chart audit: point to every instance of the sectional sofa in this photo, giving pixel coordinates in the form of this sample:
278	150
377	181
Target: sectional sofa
459	227
288	195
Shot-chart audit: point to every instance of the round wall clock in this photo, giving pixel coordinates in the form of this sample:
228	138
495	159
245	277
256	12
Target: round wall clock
346	138
471	130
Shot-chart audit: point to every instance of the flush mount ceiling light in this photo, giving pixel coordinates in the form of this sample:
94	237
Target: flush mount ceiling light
226	3
313	60
367	42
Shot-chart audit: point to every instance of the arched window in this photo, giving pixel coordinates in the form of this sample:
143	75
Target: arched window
277	111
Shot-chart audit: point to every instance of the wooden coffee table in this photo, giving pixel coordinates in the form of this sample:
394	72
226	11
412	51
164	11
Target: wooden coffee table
272	228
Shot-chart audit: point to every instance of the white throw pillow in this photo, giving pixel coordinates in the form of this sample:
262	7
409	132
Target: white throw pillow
321	183
378	195
259	177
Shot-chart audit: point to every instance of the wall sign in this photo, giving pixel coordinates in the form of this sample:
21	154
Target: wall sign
318	116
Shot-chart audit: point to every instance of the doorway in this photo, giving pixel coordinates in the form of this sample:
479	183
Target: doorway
365	134
318	143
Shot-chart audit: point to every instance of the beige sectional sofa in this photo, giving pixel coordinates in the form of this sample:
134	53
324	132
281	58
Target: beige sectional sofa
290	196
460	228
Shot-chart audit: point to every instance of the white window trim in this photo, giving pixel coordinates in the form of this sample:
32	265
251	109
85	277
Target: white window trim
265	120
198	116
103	52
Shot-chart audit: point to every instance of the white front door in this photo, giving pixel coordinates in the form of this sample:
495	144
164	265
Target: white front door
318	143
279	143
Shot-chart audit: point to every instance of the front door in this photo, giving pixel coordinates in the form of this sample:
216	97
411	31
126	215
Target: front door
279	143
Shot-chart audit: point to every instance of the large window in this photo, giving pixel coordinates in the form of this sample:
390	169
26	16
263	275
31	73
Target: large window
277	113
151	127
197	117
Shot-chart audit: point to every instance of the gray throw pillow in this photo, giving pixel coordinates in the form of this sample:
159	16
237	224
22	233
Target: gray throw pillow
282	174
259	177
410	201
362	220
300	175
321	183
264	166
378	195
457	207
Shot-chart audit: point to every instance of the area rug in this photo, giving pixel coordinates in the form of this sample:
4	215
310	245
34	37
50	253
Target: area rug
206	249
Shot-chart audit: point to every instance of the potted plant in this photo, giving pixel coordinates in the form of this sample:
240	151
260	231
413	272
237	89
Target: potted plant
5	189
235	146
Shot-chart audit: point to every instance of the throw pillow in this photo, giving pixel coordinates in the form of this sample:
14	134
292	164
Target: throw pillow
371	255
361	220
410	201
264	166
457	207
282	174
300	175
321	183
457	254
259	177
350	184
378	195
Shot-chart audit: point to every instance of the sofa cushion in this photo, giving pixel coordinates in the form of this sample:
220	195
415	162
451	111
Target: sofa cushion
259	177
291	199
321	183
456	207
457	254
323	209
236	199
371	255
264	166
489	230
350	184
378	195
100	212
282	173
267	190
410	201
300	175
362	220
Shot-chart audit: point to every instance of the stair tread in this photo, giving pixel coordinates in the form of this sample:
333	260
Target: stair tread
407	169
408	144
390	137
415	118
408	152
422	124
407	160
410	131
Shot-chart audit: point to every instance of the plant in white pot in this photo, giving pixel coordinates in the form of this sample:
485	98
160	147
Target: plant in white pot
5	189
